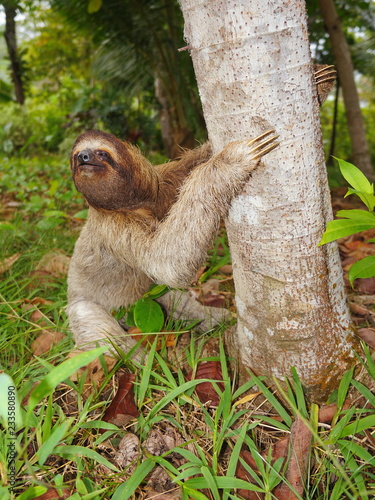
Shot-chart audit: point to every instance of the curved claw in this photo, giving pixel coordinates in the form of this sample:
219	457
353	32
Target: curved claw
264	146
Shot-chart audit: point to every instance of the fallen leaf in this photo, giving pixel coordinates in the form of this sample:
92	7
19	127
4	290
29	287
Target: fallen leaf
205	390
327	412
55	263
358	309
226	269
52	494
299	453
242	473
7	263
366	285
95	373
367	335
45	341
128	452
164	338
161	482
122	408
174	494
37	315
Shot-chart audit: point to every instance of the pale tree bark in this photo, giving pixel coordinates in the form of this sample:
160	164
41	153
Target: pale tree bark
253	67
360	150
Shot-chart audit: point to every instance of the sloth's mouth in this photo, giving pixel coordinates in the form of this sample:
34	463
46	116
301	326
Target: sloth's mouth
90	169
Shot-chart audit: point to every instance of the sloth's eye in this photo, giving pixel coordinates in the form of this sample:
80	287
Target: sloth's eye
103	155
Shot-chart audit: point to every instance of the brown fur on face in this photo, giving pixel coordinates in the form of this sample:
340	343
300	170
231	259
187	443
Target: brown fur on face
117	177
111	174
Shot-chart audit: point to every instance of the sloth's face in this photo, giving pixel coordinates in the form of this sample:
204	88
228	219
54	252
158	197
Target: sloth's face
111	174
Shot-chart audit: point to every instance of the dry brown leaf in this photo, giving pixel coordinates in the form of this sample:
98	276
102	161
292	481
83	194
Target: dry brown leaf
55	263
7	263
52	494
95	373
122	408
241	473
45	341
174	494
366	285
205	390
128	452
327	412
160	482
300	449
226	269
367	335
167	339
358	309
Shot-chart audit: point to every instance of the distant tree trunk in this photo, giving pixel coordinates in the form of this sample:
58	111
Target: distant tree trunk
253	67
332	145
175	132
360	150
10	8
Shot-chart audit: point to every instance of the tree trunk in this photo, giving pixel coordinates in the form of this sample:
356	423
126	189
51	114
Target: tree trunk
11	41
254	71
176	136
360	150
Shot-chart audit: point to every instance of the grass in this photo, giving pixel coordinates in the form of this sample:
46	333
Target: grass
61	440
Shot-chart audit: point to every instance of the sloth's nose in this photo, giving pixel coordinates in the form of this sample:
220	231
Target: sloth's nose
84	156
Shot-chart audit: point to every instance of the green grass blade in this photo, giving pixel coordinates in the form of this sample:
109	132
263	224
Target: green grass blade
57	435
72	451
61	373
146	373
211	483
127	489
343	388
367	393
358	426
274	401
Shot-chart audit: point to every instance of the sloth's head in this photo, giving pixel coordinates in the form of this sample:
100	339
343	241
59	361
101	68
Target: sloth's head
112	174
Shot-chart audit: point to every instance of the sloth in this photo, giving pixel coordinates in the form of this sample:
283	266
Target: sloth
146	224
149	224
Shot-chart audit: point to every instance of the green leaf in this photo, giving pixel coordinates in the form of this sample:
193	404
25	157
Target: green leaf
82	214
358	426
7	226
49	223
368	199
343	227
57	435
71	451
94	6
156	291
53	187
55	213
364	268
148	315
355	177
61	373
31	493
358	215
222	482
130	317
126	490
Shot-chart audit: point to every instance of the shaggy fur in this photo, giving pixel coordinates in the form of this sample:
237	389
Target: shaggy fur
146	224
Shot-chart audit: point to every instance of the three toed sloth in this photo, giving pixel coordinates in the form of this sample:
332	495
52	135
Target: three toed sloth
145	223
